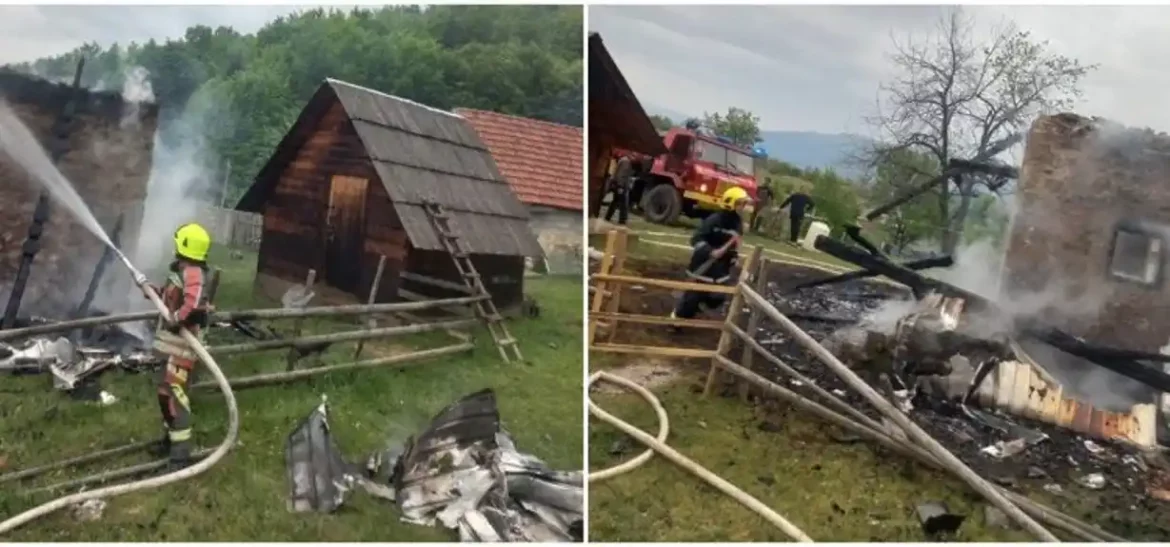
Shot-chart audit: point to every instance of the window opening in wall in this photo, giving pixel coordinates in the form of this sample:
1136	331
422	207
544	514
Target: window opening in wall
1137	256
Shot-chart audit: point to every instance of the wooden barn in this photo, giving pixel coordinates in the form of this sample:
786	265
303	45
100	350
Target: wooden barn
616	119
348	183
105	148
542	162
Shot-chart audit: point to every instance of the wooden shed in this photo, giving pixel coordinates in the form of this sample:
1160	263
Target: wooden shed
616	119
106	155
347	184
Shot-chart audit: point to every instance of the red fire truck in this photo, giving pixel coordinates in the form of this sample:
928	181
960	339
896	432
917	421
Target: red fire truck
689	179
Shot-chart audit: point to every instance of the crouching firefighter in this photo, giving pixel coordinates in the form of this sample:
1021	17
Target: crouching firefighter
187	307
715	244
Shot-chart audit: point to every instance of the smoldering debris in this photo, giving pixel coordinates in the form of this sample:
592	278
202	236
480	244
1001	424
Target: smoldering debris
76	362
1001	443
462	472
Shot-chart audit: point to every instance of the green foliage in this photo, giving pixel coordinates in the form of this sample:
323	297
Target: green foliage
738	125
662	123
242	92
920	218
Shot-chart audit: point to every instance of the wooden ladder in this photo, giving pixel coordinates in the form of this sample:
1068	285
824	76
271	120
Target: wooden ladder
486	309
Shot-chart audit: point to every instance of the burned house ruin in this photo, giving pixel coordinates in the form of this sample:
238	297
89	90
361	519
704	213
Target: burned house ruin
349	182
105	150
1091	231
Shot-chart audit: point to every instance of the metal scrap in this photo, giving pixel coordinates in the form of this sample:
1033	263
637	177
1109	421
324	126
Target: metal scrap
462	472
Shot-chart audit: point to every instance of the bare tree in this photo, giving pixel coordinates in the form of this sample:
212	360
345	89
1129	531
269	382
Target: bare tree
956	95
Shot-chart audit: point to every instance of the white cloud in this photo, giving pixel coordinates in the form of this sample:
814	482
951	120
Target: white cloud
817	68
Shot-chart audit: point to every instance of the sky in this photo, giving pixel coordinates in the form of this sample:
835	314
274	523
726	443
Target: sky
818	68
28	32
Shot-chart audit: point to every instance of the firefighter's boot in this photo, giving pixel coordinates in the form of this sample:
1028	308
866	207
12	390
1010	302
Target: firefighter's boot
179	455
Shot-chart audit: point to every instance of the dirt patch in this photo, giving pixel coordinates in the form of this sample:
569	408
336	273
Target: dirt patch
648	372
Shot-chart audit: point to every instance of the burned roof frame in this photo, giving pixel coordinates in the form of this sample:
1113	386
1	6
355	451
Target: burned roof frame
22	88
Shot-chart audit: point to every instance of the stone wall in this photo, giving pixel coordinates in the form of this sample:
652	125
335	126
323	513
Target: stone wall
1083	181
559	232
108	161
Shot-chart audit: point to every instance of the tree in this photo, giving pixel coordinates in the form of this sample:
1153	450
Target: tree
916	220
738	125
956	96
662	123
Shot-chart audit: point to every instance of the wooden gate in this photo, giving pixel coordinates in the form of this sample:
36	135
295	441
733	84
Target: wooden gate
345	229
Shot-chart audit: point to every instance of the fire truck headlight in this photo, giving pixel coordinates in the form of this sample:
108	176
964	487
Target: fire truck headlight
703	188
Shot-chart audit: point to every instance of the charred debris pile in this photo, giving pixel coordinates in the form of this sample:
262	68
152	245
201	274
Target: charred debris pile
462	472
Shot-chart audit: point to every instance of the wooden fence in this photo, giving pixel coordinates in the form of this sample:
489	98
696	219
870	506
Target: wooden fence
231	228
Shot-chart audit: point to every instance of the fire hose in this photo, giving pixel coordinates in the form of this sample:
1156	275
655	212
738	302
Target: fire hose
117	490
658	445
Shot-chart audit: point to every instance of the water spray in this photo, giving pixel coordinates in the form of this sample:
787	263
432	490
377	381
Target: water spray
18	143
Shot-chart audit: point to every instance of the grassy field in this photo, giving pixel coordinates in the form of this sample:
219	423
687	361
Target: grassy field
833	491
243	497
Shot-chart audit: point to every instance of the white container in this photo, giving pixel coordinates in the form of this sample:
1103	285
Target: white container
816	228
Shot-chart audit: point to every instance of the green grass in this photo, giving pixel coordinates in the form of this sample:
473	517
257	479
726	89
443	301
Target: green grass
832	491
243	497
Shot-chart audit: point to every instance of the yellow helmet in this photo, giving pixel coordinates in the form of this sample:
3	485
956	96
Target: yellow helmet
192	242
732	195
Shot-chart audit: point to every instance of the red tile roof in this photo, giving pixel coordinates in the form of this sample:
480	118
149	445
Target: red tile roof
541	160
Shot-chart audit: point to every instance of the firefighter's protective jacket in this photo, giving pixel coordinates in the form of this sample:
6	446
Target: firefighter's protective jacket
714	232
185	300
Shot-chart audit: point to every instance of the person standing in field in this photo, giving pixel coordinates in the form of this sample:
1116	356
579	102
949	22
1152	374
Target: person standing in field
799	203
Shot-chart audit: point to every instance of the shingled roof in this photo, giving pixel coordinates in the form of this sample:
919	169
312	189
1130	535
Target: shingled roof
420	153
541	160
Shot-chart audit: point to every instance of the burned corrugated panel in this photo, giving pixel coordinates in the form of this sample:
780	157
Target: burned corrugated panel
1022	389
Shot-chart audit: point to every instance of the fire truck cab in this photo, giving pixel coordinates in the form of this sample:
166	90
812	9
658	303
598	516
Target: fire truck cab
692	175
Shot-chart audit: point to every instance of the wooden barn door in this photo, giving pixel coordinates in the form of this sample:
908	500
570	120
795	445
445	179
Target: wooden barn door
344	230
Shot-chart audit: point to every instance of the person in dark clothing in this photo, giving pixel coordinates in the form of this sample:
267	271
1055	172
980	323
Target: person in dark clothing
714	253
799	204
619	185
764	199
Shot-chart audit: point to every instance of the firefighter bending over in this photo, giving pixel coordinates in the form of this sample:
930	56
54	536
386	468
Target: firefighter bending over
715	245
183	295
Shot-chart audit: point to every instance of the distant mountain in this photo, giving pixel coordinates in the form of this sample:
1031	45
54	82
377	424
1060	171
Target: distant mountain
809	149
804	149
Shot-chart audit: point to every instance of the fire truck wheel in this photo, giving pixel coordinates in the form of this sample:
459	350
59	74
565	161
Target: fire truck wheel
662	204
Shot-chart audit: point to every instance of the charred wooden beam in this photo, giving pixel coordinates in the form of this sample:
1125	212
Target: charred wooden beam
32	243
917	282
1120	361
924	264
1123	362
951	171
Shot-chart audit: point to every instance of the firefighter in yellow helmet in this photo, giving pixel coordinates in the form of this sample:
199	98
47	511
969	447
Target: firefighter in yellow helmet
187	306
713	254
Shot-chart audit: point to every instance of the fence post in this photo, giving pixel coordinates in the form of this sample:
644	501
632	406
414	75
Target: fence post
293	354
372	323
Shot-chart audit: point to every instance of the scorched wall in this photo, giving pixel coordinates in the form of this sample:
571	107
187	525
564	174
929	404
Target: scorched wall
108	159
1094	212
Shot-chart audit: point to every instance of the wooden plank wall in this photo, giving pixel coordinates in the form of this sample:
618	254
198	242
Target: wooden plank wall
294	215
502	275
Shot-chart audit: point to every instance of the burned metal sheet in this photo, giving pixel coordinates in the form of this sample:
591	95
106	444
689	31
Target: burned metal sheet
319	477
465	473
